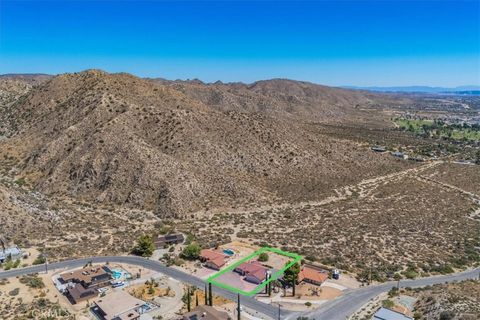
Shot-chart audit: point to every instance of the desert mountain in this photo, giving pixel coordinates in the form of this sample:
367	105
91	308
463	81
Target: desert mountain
283	97
180	147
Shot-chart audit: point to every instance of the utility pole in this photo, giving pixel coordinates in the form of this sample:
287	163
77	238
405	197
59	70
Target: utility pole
210	296
206	294
279	311
188	299
196	298
238	306
370	274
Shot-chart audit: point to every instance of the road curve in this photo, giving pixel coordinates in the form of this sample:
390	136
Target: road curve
248	302
338	309
344	306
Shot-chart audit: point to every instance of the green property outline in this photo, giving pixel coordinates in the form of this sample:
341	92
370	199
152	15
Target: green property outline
274	276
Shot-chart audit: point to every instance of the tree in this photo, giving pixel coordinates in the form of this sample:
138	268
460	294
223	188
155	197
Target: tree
477	160
263	257
191	251
291	275
447	315
144	247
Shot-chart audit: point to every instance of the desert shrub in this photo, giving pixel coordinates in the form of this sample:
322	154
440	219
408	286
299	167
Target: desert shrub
410	274
14	292
32	281
388	303
191	251
393	292
11	264
39	260
263	257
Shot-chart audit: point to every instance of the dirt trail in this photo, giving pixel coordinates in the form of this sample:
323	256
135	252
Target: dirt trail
361	190
475	197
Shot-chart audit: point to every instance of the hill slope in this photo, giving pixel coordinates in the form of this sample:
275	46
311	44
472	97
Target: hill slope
178	147
282	97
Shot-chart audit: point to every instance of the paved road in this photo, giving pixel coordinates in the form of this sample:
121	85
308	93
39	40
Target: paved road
247	302
353	300
338	309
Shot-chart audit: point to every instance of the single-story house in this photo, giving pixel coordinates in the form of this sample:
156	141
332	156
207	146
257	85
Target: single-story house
312	275
213	259
118	305
387	314
206	313
13	252
163	241
417	159
77	293
399	154
89	277
253	271
379	149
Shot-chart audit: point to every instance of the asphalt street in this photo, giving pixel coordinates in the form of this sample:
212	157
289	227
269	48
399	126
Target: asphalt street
338	309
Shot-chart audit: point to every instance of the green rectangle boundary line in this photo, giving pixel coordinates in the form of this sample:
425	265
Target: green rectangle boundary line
274	276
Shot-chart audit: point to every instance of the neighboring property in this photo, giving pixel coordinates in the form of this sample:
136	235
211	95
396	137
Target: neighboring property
417	159
89	277
118	305
163	241
312	274
77	293
81	285
213	259
401	155
206	313
379	149
253	271
13	252
387	314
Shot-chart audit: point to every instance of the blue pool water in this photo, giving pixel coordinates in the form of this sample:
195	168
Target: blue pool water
228	252
116	274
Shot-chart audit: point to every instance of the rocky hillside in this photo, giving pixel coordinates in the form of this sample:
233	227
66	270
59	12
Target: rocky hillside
455	301
182	147
282	97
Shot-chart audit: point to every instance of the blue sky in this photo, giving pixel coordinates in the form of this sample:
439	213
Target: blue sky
383	43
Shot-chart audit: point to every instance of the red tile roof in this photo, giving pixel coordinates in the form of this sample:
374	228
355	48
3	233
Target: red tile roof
312	275
218	262
209	254
260	274
253	267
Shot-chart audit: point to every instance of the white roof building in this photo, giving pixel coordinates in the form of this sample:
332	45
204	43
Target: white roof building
14	252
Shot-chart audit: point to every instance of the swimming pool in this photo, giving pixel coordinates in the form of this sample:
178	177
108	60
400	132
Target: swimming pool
118	274
229	252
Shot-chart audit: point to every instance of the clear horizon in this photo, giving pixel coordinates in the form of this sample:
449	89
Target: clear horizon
346	43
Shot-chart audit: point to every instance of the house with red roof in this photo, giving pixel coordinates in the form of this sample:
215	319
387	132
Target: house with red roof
253	271
312	275
213	259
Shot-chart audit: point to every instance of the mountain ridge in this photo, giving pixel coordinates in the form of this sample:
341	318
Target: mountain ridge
120	139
